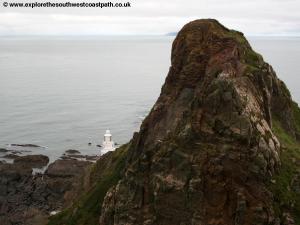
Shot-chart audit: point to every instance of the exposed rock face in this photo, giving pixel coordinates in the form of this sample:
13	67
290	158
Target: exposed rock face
206	149
27	199
66	168
33	161
105	173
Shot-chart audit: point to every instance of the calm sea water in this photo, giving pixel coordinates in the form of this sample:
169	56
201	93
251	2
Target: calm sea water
64	92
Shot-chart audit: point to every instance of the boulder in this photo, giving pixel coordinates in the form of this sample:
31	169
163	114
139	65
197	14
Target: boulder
33	161
66	168
72	151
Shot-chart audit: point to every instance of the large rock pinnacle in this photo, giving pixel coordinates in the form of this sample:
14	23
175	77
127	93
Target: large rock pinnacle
204	152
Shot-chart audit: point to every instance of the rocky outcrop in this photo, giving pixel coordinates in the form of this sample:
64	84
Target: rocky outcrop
75	154
11	156
72	151
27	199
26	145
206	150
3	150
33	161
105	173
66	168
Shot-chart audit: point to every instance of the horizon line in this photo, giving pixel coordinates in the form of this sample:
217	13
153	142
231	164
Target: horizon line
133	35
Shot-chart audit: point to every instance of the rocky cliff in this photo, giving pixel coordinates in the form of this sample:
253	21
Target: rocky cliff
218	147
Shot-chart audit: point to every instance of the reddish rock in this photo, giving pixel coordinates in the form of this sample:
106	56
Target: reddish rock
206	149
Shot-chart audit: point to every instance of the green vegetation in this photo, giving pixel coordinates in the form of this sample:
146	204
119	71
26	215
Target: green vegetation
251	57
239	36
286	198
296	111
87	209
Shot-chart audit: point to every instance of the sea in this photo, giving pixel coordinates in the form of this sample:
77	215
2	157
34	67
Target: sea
64	92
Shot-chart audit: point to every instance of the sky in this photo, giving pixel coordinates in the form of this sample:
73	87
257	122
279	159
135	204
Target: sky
152	17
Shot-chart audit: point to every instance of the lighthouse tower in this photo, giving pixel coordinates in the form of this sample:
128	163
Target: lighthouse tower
108	144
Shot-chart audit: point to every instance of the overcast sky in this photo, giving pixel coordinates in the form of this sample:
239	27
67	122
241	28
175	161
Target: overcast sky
252	17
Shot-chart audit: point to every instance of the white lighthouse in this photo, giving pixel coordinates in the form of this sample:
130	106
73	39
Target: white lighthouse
108	144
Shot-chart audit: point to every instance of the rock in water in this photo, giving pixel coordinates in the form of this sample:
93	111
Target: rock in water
3	150
206	149
72	151
26	145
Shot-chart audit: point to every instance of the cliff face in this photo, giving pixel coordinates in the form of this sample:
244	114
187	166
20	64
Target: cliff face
206	151
218	147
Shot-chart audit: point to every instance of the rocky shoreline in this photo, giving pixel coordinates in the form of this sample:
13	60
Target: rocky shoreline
31	189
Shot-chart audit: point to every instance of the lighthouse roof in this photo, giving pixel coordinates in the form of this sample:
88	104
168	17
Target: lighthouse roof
107	133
